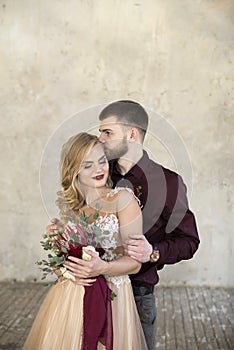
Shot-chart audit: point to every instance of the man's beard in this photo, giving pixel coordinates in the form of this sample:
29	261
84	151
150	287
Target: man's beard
118	151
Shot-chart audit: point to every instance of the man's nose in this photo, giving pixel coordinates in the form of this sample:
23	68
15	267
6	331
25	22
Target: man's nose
102	138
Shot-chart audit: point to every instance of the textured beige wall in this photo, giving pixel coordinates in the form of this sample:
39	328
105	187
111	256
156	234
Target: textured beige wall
173	56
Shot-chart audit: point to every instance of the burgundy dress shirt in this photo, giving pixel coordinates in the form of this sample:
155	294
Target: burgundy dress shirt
168	223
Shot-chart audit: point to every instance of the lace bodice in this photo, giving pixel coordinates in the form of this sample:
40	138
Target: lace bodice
111	242
110	223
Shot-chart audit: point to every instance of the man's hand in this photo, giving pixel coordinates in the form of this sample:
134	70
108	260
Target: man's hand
86	269
138	248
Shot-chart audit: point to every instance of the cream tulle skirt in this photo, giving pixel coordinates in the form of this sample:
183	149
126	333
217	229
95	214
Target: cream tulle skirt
59	322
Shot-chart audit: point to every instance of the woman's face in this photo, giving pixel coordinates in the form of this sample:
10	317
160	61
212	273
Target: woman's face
94	168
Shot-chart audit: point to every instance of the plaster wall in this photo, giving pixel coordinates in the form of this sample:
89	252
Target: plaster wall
175	57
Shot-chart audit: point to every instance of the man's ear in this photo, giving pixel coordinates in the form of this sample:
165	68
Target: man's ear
134	135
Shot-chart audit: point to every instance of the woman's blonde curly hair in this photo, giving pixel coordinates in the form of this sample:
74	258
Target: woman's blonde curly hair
73	153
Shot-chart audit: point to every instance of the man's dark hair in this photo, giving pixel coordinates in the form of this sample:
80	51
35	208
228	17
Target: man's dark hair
129	113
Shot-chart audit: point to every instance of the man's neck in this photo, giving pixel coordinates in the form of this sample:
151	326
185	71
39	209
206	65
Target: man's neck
128	161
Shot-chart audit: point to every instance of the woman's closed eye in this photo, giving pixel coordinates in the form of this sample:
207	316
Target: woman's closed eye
103	160
87	165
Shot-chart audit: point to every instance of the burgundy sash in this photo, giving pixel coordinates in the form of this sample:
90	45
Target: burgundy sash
97	312
97	317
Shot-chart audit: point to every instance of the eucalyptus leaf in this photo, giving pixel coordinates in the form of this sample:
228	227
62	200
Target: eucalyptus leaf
98	206
95	215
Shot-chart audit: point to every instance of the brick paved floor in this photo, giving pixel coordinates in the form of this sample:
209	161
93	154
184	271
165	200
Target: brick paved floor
189	318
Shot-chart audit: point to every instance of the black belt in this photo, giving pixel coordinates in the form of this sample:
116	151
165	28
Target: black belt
140	291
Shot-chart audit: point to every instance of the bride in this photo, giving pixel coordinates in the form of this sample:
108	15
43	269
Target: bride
78	314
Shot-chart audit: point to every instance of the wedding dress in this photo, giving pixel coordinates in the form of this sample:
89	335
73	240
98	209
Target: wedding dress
59	322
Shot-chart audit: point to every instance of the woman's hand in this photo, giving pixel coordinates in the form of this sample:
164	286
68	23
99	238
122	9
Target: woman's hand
86	269
85	281
63	274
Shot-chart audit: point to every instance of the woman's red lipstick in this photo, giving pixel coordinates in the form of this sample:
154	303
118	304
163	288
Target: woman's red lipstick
99	177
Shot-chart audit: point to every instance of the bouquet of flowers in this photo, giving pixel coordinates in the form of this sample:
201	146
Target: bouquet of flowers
72	235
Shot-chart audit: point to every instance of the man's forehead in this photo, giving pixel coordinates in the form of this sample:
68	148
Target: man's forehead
109	123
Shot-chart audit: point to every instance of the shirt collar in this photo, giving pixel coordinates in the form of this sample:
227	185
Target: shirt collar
137	170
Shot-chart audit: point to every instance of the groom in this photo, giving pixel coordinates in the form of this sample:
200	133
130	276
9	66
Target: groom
170	232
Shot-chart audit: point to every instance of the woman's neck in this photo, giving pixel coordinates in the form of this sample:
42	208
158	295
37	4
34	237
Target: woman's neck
93	195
